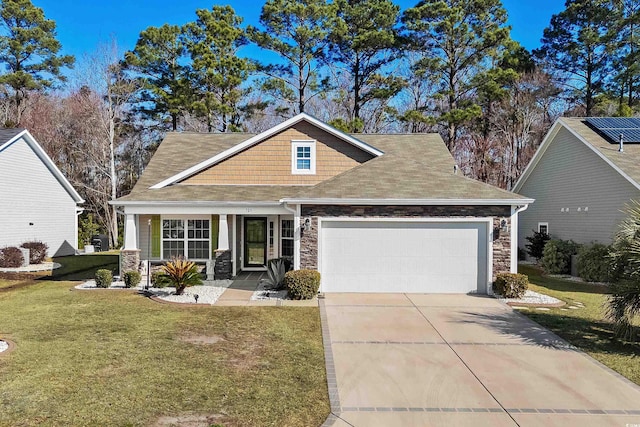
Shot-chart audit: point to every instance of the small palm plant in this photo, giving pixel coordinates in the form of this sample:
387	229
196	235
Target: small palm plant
624	301
182	273
275	274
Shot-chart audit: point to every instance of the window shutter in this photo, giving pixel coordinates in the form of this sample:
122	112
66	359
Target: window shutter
215	227
155	236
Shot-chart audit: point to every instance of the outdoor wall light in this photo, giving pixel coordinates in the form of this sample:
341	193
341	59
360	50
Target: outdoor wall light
307	224
504	227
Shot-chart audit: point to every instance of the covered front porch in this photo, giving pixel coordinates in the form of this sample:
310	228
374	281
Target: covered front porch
234	240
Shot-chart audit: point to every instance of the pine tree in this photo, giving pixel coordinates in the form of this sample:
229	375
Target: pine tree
576	44
297	31
460	40
30	52
217	71
157	60
364	39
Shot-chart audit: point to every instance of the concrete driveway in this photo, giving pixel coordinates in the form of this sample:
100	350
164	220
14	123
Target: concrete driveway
457	360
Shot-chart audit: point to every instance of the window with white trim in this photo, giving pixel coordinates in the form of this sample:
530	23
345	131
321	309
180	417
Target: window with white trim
543	227
286	237
303	157
194	244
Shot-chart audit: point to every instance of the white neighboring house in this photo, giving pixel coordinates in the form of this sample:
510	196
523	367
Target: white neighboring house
36	201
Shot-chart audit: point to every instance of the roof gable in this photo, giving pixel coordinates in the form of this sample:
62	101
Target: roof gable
626	163
9	137
260	137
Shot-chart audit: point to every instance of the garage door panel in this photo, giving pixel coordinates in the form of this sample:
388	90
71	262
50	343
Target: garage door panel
380	256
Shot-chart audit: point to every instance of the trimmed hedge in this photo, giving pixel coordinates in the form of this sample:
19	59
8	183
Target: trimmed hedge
131	279
511	285
37	251
595	263
302	284
103	278
11	257
159	280
556	256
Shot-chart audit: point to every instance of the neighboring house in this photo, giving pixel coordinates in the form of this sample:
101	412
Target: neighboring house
580	180
37	201
372	213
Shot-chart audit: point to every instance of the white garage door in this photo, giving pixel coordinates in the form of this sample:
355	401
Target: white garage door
402	256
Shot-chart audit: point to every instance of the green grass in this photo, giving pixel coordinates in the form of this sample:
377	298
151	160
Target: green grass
80	267
585	327
114	358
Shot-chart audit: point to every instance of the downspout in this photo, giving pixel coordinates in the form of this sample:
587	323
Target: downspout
515	210
296	236
78	212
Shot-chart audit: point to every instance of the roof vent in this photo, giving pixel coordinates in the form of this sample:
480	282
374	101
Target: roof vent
455	168
621	149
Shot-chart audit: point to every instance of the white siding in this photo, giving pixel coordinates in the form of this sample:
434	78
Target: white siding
570	175
34	205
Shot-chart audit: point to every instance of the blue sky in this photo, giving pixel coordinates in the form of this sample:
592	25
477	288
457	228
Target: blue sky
81	25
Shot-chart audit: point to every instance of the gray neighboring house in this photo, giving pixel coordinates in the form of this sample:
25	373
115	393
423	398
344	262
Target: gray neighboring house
37	201
580	182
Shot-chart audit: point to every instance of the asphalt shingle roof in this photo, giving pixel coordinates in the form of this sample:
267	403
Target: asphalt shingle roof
6	134
628	161
413	166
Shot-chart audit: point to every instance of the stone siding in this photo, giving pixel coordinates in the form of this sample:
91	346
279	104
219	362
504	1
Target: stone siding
222	269
130	260
501	240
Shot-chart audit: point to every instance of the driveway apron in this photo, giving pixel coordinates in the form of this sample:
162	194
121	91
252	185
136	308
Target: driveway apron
444	360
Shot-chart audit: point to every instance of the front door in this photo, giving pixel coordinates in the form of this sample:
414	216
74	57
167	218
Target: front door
255	242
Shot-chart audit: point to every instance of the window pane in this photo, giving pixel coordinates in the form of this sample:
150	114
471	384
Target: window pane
287	247
287	228
303	164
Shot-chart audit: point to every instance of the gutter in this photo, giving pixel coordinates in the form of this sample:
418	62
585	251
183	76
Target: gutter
405	202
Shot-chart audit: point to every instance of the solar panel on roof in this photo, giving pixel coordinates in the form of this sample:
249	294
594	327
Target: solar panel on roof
612	127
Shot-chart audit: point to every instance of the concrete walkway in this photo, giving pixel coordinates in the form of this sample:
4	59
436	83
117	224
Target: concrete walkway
431	360
244	284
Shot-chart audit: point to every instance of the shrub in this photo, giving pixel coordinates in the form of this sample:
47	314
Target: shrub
302	284
11	257
37	251
536	244
159	280
595	263
182	273
103	278
556	256
275	274
511	285
131	279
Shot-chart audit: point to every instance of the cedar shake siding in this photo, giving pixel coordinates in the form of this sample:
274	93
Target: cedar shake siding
501	241
269	162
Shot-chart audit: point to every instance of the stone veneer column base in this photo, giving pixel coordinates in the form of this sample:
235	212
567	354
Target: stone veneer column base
223	267
129	260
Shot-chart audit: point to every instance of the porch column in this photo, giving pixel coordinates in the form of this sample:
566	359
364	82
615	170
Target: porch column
130	233
223	234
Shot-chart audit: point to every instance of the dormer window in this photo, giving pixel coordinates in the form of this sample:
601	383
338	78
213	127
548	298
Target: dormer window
303	157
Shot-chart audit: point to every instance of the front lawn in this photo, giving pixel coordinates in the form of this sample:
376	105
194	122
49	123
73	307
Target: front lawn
584	325
117	358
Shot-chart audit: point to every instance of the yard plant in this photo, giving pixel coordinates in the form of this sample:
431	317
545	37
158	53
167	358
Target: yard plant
131	279
37	251
182	273
104	278
11	257
511	285
302	284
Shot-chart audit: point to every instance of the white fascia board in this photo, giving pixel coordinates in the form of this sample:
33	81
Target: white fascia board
538	155
266	134
47	162
190	203
418	202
